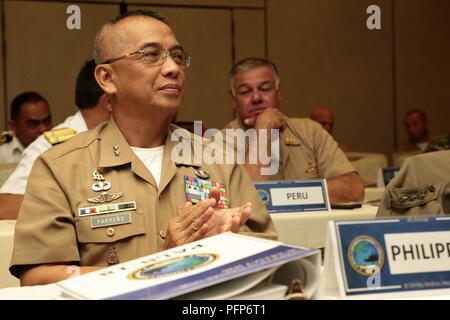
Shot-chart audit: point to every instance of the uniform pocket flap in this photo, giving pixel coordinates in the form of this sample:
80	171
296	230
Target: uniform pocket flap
412	196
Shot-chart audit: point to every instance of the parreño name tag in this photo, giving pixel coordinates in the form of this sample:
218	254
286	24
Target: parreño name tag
389	258
294	195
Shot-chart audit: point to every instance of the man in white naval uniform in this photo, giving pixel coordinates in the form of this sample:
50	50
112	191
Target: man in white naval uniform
94	109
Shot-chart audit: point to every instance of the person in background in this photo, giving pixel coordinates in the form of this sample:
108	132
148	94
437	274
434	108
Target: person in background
94	109
307	151
416	125
324	115
30	117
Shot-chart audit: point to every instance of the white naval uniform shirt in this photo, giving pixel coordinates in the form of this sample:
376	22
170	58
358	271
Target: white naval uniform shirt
11	152
17	181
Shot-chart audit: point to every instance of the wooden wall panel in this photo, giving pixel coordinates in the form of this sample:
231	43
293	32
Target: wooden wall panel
326	55
205	34
249	37
422	50
43	55
3	108
207	3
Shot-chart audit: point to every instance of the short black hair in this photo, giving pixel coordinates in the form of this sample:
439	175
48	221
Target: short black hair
87	90
21	99
140	12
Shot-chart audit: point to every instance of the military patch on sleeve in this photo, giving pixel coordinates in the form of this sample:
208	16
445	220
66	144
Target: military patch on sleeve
199	189
59	135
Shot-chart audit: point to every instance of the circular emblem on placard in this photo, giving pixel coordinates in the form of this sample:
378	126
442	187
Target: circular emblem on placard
173	266
365	255
264	195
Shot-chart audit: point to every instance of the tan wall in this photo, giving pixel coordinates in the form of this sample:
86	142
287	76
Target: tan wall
205	93
204	3
324	51
3	110
249	36
327	56
43	55
422	30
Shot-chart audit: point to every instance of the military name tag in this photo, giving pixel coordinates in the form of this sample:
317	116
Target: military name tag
389	258
199	189
294	196
110	220
107	208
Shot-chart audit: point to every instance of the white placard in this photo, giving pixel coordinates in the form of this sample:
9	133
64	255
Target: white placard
296	196
418	252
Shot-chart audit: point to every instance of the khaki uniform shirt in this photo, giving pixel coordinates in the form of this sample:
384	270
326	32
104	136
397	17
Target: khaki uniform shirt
50	229
422	187
307	151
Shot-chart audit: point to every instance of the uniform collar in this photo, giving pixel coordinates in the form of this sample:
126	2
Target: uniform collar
112	139
16	145
79	124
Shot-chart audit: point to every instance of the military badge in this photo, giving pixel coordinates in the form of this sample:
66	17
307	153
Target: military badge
111	256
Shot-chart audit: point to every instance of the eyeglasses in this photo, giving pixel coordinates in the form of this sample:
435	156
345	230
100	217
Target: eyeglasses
156	57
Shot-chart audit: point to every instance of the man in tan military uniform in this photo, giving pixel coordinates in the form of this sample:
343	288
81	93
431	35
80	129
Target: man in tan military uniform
93	201
307	151
422	187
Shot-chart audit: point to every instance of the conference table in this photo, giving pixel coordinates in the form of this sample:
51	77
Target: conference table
305	229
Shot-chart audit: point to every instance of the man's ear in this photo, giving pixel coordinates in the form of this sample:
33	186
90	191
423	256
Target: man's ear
233	99
279	93
104	74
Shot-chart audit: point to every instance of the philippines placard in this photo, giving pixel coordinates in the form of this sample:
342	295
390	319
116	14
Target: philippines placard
392	257
294	195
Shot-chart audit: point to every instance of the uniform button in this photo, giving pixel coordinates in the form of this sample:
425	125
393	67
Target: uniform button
110	232
162	234
431	189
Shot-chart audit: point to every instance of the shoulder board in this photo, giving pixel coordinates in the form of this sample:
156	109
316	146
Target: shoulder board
59	135
6	137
